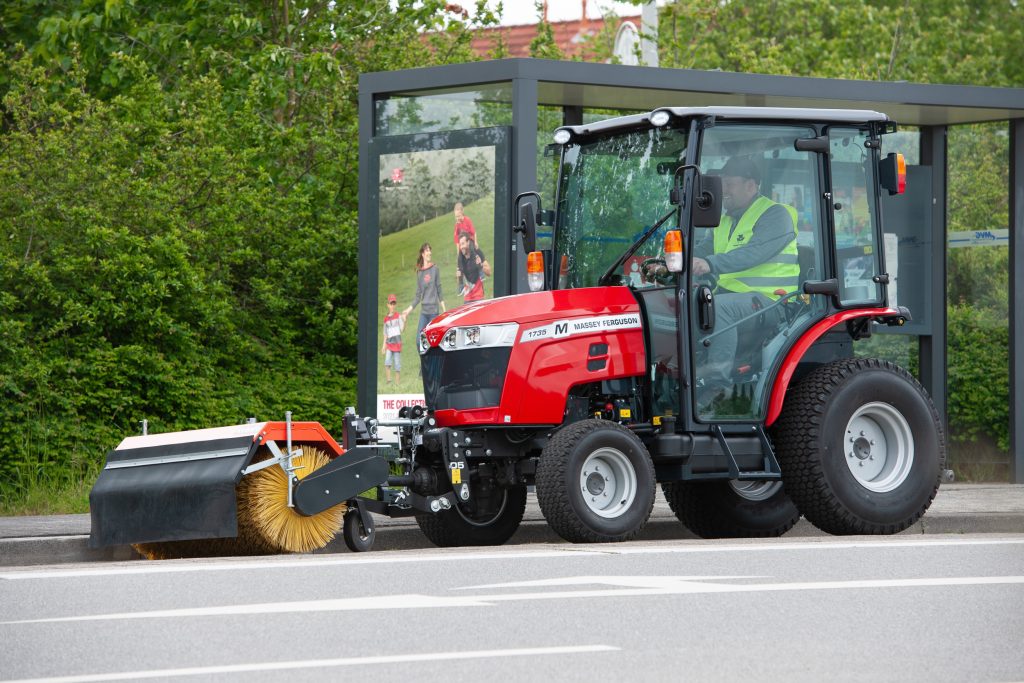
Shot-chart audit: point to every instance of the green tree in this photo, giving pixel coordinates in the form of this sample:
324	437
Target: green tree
178	212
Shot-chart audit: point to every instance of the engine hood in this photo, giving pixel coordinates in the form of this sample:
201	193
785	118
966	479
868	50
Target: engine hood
534	308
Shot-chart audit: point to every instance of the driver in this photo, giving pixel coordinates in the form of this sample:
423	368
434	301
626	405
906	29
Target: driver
752	254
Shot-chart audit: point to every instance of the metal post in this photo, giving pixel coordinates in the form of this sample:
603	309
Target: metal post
932	347
1016	266
524	162
366	344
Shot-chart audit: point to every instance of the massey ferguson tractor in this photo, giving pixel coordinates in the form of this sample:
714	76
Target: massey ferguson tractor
691	324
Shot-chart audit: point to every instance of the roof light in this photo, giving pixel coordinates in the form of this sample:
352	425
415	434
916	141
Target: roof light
562	136
660	118
535	271
674	251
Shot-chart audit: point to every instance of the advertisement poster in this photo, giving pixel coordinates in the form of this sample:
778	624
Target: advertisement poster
436	226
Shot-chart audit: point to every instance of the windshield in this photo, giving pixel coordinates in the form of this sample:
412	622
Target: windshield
613	189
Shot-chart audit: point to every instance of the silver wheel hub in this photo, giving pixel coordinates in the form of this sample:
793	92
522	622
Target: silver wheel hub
608	483
756	490
879	447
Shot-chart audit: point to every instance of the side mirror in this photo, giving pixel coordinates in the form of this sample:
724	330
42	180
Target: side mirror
526	220
707	205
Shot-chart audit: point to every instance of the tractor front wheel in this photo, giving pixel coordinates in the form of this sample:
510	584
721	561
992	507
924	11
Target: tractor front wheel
595	483
487	522
861	447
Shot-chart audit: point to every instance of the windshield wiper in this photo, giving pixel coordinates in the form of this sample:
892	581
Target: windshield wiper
633	248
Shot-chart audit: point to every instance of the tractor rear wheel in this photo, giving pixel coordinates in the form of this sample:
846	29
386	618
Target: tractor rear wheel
732	509
861	447
490	522
595	482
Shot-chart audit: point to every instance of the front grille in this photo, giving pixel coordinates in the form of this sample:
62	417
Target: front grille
460	380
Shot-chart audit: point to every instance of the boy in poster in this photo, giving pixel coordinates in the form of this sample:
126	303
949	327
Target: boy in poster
392	346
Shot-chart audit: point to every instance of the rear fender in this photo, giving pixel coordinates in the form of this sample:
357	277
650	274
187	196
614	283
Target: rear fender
797	351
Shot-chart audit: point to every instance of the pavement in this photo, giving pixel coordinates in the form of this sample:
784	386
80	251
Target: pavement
957	509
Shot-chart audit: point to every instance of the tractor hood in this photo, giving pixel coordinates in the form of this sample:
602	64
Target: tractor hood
534	309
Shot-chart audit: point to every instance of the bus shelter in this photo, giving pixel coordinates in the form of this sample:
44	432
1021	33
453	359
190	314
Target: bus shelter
444	150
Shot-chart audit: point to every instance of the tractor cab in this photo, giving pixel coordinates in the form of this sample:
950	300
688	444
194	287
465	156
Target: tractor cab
737	229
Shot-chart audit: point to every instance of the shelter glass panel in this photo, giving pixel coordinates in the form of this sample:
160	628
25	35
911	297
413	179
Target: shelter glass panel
430	111
437	201
978	340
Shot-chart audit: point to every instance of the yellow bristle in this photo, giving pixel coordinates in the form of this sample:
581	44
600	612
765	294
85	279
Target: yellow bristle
263	508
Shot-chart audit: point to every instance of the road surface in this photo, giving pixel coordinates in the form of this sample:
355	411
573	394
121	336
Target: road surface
896	608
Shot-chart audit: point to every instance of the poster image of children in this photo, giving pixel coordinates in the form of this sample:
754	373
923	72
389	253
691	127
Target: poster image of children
474	268
463	224
428	289
425	198
394	323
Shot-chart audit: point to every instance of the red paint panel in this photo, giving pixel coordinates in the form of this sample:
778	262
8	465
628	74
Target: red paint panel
540	373
538	396
778	395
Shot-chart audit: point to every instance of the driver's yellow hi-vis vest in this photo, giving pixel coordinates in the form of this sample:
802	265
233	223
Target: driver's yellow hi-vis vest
781	271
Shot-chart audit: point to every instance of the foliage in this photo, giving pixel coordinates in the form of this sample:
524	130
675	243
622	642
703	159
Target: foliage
941	41
978	357
178	212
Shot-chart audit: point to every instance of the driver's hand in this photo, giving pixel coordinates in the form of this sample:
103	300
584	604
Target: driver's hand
700	267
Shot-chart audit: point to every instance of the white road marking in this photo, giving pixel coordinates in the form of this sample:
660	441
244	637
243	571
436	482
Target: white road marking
447	555
625	587
323	663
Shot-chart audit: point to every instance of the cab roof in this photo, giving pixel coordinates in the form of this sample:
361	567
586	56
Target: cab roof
736	114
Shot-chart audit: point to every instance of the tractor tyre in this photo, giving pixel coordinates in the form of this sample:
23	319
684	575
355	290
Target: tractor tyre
595	482
732	509
861	447
459	527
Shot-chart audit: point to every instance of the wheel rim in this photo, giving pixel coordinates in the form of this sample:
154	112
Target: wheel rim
756	490
490	520
879	447
608	483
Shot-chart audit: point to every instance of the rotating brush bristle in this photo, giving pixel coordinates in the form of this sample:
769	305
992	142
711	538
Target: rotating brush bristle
266	525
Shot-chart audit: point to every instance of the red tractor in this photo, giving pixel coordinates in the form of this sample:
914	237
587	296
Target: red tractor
690	325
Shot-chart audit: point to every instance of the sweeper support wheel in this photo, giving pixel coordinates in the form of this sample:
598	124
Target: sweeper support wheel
266	524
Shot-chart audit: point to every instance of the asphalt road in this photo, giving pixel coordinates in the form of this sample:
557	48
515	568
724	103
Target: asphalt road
897	608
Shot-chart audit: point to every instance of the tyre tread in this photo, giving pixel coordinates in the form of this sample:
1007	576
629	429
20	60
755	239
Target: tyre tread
798	432
552	493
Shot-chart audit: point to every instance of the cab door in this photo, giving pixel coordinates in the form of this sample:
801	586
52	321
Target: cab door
743	318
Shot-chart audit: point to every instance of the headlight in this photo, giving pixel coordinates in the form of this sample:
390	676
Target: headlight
475	337
450	338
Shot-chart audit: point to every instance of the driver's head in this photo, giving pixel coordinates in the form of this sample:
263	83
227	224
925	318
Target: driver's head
741	179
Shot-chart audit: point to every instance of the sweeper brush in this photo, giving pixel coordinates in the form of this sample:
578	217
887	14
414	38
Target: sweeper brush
256	488
266	525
